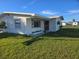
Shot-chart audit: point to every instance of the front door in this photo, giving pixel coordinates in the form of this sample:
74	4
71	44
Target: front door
46	26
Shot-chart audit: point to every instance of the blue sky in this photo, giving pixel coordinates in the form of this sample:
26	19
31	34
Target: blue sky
67	8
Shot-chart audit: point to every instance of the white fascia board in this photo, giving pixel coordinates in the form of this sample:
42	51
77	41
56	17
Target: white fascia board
32	14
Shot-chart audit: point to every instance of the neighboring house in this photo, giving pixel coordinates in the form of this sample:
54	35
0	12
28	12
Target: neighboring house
75	23
30	23
64	23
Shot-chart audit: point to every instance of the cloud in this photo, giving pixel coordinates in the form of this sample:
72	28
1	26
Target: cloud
48	12
32	2
29	4
24	7
74	11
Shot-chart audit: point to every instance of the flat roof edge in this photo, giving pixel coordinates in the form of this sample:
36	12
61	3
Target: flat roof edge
20	13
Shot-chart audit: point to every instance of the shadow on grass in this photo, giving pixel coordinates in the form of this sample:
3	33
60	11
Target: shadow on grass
29	42
66	32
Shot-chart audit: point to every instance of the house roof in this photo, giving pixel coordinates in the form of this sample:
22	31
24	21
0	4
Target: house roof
18	13
33	15
54	17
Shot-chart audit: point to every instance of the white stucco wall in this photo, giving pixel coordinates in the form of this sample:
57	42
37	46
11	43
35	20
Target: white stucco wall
58	26
10	23
22	30
53	26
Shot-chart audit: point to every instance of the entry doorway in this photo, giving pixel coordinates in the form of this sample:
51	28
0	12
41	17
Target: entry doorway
46	26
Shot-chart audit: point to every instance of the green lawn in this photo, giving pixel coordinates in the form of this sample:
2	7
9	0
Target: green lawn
63	44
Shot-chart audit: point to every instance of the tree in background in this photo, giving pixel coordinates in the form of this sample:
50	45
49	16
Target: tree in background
73	20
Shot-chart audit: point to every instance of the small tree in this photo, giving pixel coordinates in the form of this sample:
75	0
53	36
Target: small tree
2	24
73	20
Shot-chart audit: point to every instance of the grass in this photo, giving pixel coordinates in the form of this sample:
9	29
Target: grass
63	44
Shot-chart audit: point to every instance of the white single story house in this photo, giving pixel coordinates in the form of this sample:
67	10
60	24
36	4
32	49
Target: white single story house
30	23
75	23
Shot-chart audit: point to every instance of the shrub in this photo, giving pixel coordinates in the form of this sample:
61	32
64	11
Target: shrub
2	24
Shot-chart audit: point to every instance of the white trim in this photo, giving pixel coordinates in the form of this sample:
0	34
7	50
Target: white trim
54	17
19	13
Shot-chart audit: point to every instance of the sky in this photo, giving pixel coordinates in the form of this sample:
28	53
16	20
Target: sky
69	9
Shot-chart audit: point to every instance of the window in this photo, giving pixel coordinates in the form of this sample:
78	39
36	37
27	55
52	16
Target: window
17	23
58	22
36	23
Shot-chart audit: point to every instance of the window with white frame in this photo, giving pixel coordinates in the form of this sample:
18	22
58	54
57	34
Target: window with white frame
17	23
36	23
